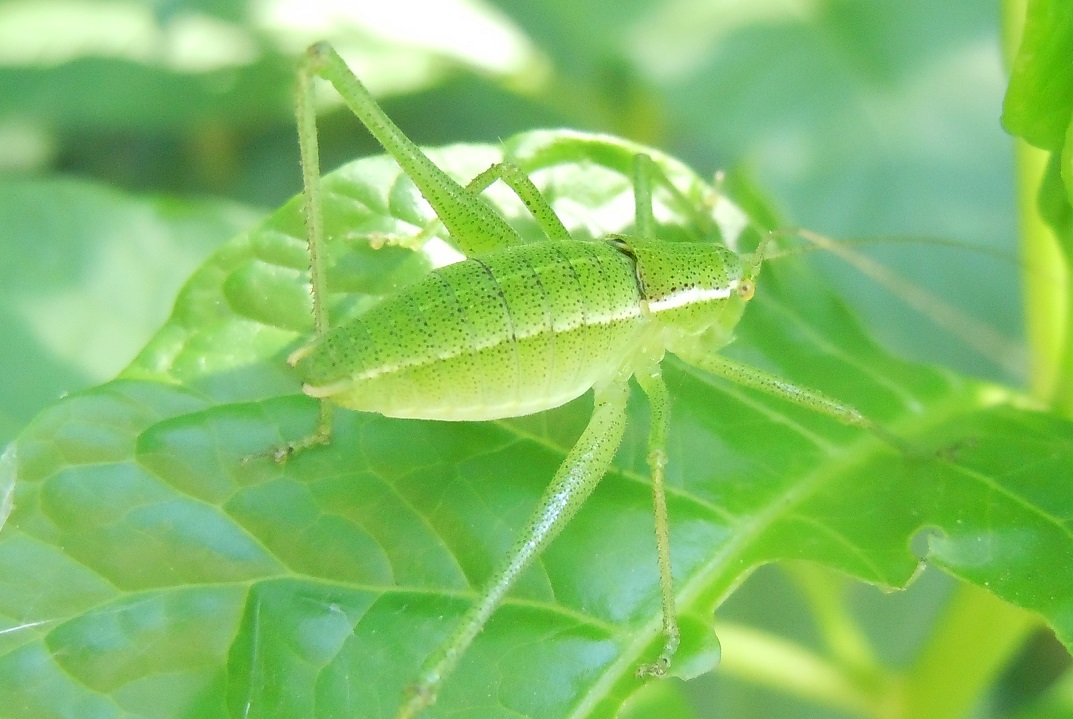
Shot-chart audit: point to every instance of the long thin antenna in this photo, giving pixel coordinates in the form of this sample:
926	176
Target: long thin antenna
974	333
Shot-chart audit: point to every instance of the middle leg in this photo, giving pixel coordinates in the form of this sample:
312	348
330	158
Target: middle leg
659	400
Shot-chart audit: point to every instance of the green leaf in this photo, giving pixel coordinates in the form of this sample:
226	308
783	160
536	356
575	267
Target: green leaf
151	568
1039	100
1039	108
88	275
141	97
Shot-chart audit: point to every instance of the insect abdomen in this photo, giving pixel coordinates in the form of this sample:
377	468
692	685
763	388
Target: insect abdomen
506	334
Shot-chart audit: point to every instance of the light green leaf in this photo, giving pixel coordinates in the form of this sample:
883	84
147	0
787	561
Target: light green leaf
88	275
1039	100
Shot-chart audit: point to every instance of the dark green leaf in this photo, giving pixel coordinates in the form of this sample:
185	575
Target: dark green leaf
144	97
148	569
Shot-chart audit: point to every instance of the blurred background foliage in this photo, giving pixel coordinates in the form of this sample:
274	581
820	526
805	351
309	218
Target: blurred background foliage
858	118
164	127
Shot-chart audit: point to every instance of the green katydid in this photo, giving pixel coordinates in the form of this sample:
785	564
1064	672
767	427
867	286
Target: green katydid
519	328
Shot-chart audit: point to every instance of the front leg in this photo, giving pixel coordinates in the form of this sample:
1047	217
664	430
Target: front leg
756	378
576	478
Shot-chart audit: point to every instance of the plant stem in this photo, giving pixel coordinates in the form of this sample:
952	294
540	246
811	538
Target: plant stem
971	643
772	661
825	593
1045	276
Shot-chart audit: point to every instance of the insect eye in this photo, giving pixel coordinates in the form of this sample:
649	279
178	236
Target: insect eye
746	289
